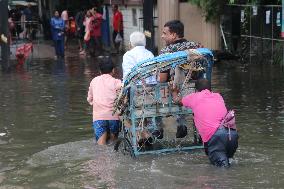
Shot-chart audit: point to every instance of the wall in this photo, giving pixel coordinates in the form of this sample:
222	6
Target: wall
196	29
167	10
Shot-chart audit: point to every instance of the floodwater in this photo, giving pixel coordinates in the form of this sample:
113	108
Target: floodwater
48	138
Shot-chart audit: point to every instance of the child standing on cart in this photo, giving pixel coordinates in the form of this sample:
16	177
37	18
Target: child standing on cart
101	95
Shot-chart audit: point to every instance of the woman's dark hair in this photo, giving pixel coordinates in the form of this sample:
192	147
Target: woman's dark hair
175	26
202	84
106	65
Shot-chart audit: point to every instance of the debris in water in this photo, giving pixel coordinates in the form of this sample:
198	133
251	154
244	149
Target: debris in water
3	134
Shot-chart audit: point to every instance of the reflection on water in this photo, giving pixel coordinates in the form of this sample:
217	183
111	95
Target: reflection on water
48	141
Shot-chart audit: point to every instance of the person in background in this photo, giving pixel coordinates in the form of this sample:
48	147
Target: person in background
11	27
17	20
12	15
65	17
101	95
80	28
72	27
27	12
117	24
209	112
87	36
57	30
96	33
173	35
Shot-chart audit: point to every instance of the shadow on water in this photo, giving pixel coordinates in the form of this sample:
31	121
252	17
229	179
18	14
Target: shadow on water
48	141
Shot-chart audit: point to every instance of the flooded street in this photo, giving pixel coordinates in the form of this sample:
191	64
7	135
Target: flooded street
49	138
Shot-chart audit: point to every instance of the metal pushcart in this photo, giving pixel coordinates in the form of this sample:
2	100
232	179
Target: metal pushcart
149	104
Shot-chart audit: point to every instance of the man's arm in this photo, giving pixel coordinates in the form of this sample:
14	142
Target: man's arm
163	76
119	21
176	99
90	96
182	101
188	101
118	84
127	64
175	94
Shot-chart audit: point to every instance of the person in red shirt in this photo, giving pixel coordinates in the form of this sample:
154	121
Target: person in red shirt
117	26
96	33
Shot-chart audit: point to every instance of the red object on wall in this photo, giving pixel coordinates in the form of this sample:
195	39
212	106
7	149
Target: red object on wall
23	52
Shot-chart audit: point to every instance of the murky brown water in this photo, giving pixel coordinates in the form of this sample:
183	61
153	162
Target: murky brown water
48	141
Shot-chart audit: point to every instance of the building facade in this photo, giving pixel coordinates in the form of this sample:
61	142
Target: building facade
196	28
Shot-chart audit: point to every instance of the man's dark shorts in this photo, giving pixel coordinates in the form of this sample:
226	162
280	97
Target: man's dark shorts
220	148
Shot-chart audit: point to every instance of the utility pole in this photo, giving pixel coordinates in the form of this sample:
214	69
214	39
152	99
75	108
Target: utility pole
5	47
148	23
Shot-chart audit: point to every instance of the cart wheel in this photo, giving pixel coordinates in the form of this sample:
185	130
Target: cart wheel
123	145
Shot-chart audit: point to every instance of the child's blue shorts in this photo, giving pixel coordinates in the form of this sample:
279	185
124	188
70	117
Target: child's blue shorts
102	126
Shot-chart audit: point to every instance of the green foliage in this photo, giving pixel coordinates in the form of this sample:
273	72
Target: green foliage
212	9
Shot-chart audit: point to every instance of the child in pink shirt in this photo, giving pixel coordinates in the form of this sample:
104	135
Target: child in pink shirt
101	95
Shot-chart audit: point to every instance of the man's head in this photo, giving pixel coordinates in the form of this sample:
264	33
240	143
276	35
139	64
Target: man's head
173	30
137	39
114	8
94	10
56	13
106	65
88	13
202	84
